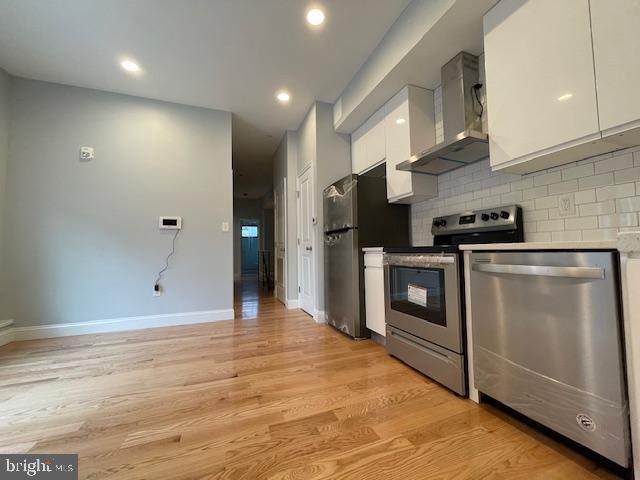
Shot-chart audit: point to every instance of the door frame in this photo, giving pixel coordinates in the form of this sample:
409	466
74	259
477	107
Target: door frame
281	296
310	309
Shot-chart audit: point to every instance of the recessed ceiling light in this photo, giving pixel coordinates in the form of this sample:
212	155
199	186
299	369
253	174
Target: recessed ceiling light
564	97
315	17
400	121
130	66
283	96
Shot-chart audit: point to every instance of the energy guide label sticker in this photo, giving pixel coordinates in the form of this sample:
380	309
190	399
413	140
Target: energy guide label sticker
417	294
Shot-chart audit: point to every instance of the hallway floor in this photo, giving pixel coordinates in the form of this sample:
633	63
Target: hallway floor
270	394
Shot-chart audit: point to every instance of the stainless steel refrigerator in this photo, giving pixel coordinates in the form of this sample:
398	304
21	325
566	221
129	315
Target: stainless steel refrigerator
356	215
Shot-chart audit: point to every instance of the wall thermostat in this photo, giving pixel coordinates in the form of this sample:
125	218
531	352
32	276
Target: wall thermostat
171	223
87	153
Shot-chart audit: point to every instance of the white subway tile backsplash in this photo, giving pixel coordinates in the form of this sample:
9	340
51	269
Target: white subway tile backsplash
547	202
600	208
538	237
630	204
627	175
606	191
577	172
474	204
600	234
617	162
581	223
567	236
547	178
482	193
489	202
511	197
550	225
481	174
523	184
473	186
564	187
585	196
618	220
504	188
595	181
536	192
615	191
535	215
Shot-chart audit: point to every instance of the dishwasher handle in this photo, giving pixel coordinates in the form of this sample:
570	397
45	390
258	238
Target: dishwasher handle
594	273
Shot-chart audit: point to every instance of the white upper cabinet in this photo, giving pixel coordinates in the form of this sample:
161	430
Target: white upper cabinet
541	88
616	51
410	129
358	158
368	144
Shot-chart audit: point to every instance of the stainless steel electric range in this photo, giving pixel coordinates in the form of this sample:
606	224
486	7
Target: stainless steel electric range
424	292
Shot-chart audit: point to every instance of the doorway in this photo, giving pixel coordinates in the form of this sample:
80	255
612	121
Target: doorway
249	247
280	213
306	254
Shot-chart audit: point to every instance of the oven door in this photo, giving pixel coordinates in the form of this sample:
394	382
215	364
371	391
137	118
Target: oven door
422	297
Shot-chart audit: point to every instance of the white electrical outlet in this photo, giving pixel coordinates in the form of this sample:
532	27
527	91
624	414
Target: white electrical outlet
225	226
566	205
158	292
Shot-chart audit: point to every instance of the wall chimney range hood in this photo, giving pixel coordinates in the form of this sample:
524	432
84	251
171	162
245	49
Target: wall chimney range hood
464	140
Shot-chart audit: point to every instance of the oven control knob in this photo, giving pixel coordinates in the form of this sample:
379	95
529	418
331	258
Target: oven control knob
484	217
436	223
504	214
443	223
494	216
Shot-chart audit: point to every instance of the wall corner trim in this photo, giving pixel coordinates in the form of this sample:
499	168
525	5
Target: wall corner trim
320	316
16	334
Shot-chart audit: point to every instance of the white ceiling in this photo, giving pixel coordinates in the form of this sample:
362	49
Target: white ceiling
225	54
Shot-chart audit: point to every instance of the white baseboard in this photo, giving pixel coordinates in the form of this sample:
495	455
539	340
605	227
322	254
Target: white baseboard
6	336
114	325
6	323
320	317
293	303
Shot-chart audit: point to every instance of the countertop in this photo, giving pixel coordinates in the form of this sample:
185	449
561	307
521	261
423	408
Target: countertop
576	245
373	249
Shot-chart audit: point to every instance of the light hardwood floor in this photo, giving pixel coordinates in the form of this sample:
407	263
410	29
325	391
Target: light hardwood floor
268	395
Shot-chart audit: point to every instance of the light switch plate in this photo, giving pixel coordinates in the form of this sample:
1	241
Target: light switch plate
225	226
87	153
566	205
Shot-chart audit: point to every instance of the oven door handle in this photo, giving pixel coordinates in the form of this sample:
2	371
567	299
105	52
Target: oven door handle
419	261
594	273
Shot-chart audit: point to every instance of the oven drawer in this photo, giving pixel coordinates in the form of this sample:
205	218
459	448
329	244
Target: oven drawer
438	363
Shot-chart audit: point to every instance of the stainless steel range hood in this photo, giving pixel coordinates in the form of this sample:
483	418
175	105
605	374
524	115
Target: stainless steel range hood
464	140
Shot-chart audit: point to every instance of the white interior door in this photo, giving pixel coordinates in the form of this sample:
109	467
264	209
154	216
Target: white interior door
279	246
306	270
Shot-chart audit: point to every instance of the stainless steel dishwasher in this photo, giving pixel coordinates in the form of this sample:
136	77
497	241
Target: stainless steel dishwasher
547	341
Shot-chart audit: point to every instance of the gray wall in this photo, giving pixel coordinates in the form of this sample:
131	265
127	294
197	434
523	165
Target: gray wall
329	153
306	138
84	242
4	158
333	162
